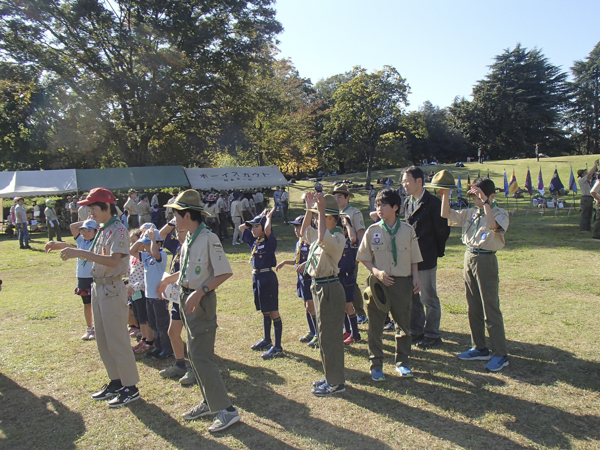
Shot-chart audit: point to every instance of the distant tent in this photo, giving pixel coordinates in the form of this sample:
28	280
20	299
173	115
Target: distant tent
38	182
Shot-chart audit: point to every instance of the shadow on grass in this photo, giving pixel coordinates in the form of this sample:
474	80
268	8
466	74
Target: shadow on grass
26	420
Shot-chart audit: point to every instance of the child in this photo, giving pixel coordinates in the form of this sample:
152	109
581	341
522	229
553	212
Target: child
258	235
327	246
390	251
483	229
109	254
303	283
204	267
154	259
347	266
84	234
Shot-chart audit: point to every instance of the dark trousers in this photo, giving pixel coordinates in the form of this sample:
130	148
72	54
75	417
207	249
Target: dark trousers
23	234
586	213
159	319
133	221
223	219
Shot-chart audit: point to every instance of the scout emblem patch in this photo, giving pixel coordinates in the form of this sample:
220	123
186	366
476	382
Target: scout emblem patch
377	238
197	270
483	236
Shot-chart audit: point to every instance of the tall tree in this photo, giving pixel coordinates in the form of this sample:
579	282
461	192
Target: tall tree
141	68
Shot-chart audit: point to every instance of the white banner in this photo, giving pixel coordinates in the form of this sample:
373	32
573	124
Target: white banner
229	178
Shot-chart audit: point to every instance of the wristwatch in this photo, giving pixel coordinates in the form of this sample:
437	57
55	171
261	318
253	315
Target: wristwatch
487	201
205	289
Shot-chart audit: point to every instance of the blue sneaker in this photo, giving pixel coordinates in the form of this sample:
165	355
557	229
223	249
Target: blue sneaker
497	363
475	355
273	352
361	320
326	389
377	375
404	371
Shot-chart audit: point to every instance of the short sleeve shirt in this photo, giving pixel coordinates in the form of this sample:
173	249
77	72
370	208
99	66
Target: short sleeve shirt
212	210
376	247
596	188
475	233
207	260
113	239
585	186
263	252
356	217
236	210
83	271
83	212
20	214
324	257
131	206
153	271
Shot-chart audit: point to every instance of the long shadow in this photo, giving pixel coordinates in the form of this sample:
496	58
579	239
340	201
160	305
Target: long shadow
27	421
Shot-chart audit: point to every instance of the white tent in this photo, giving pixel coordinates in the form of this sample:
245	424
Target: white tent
235	178
38	182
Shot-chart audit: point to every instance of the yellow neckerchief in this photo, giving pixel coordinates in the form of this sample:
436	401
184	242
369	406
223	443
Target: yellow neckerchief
256	244
298	252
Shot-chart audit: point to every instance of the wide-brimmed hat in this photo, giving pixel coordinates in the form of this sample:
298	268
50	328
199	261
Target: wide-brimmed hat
331	206
189	199
375	293
580	172
98	195
443	179
342	189
297	221
132	191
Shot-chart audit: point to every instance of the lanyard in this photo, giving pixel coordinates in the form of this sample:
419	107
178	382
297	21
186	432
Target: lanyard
312	260
189	241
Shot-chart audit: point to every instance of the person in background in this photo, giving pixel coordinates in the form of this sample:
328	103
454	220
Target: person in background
285	204
83	213
237	217
132	211
587	201
22	224
52	220
259	199
154	200
144	209
277	200
223	210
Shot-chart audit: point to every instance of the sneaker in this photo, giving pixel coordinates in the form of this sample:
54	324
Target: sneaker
326	389
314	343
188	379
377	375
200	410
351	340
172	372
346	336
144	347
273	352
224	420
139	345
163	355
319	382
429	342
88	332
109	390
262	345
307	337
389	325
92	335
153	353
126	395
475	355
404	371
362	319
418	338
497	363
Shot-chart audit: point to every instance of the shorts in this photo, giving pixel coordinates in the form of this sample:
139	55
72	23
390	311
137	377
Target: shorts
139	310
266	291
303	287
175	315
348	283
84	289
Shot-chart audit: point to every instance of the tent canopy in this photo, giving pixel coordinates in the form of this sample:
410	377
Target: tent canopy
37	182
132	178
235	178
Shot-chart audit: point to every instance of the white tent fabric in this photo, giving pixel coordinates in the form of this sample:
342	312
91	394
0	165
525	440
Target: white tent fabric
38	182
235	178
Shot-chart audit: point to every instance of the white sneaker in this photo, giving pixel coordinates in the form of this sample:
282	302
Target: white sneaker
89	334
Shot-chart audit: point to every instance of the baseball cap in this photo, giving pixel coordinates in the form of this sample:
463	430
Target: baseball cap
89	225
145	239
260	219
98	195
297	221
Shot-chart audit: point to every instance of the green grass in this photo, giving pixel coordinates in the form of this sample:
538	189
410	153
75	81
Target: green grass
547	397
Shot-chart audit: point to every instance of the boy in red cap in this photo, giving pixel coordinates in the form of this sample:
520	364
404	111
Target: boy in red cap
109	255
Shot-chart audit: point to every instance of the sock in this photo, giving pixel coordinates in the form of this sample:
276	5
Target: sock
131	388
314	319
354	325
116	383
311	324
180	363
267	327
278	325
347	325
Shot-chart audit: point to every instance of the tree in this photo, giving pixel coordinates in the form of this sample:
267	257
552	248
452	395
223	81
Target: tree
585	104
367	107
518	104
143	70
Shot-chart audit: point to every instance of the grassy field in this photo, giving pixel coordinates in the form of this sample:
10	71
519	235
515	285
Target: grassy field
547	397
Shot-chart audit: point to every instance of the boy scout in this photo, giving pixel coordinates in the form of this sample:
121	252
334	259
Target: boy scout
109	254
327	246
204	267
483	229
390	251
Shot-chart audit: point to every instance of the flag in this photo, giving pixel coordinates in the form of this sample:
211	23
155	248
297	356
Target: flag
540	187
513	187
528	184
505	184
555	183
458	186
572	182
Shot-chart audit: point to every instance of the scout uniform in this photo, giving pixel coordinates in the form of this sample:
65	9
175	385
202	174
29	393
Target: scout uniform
394	252
132	210
328	296
109	304
481	274
347	266
52	220
237	216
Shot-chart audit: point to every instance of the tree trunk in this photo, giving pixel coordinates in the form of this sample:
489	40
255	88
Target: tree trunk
370	162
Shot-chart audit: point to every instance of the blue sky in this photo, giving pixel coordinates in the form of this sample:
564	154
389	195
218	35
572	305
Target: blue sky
441	47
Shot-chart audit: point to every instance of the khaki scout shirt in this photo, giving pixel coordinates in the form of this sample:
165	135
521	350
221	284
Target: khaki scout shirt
131	206
376	247
356	217
206	261
83	213
475	233
327	255
113	239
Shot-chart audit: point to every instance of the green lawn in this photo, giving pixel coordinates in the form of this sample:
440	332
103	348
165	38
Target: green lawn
547	397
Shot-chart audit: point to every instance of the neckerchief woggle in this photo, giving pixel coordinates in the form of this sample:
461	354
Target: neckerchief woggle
392	234
189	241
101	228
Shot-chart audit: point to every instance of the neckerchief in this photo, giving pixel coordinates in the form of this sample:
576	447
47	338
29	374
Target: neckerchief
189	240
311	259
478	216
392	234
175	260
299	251
257	242
101	228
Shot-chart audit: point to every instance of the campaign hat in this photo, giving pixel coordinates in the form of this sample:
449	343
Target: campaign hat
375	293
443	179
331	206
342	189
189	199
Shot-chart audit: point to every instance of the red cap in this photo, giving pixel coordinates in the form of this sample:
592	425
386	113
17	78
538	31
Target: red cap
98	195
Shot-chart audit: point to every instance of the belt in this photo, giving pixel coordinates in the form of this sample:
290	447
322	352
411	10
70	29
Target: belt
266	269
326	280
477	251
187	291
586	196
107	280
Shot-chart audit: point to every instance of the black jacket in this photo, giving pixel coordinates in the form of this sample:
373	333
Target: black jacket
431	228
